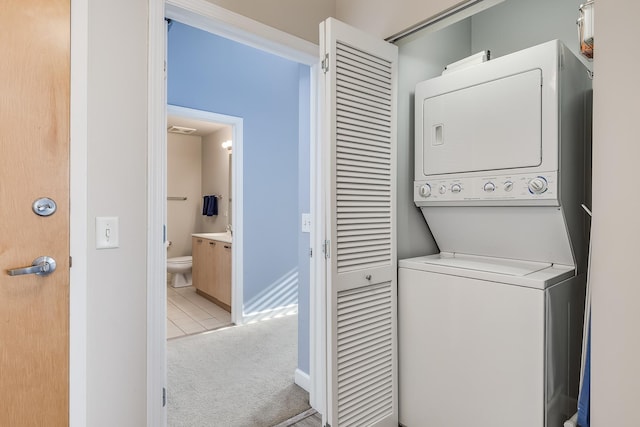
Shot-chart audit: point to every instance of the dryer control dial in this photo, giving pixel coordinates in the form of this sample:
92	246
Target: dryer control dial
425	190
508	186
489	187
442	189
538	185
456	188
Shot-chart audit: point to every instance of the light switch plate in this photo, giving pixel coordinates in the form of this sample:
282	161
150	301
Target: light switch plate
306	223
107	233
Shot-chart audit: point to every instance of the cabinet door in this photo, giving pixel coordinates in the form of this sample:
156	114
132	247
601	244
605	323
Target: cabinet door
203	274
223	273
198	258
209	277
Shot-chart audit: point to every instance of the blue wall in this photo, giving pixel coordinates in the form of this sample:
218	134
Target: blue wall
304	184
210	73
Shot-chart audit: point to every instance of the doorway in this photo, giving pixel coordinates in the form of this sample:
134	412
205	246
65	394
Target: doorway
215	20
201	163
216	74
218	169
199	222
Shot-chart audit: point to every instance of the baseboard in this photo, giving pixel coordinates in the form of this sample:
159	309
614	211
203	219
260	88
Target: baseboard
214	300
295	420
268	314
302	379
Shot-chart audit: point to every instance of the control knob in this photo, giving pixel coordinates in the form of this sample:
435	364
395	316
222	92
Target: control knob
508	186
442	189
489	187
456	188
425	190
538	185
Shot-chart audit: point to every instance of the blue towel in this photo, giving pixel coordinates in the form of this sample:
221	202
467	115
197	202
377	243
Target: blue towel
584	400
205	204
210	206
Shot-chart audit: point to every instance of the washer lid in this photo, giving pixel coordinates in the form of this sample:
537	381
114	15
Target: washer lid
509	267
538	275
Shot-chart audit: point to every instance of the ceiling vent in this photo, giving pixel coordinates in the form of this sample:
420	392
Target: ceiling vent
181	130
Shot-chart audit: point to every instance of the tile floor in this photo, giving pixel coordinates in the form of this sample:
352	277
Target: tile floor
189	313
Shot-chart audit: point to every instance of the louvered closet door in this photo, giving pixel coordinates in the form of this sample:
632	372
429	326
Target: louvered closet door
360	130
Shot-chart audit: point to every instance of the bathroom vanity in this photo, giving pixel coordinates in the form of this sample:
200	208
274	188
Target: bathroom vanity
211	269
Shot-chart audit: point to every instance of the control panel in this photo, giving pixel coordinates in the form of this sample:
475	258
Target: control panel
516	189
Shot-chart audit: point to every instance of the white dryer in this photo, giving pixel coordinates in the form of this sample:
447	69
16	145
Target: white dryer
490	328
500	151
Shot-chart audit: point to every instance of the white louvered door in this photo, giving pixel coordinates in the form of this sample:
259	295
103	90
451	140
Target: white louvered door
360	133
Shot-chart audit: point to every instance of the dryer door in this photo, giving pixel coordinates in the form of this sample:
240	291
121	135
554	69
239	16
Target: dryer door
490	126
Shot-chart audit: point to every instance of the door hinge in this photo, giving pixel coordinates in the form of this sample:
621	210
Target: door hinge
70	261
326	248
325	63
164	397
310	252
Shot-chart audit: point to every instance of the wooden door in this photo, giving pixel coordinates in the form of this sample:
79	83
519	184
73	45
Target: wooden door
360	108
34	163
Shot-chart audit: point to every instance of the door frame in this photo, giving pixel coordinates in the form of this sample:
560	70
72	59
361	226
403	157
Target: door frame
237	196
214	19
78	233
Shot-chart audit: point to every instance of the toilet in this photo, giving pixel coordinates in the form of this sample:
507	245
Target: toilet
180	267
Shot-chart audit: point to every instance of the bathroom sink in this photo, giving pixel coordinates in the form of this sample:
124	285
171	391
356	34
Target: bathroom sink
221	237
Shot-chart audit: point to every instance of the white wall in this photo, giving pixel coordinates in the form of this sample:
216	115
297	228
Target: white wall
184	179
215	179
298	17
384	18
616	227
117	186
526	23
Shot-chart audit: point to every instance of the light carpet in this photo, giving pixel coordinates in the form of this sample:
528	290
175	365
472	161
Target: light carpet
241	376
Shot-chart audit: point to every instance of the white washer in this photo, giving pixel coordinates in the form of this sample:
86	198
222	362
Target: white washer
485	341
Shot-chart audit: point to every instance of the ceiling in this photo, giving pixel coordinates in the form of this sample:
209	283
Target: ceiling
203	128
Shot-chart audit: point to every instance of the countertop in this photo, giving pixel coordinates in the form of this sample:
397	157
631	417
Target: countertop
221	237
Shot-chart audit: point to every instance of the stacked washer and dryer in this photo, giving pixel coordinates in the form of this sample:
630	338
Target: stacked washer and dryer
490	328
